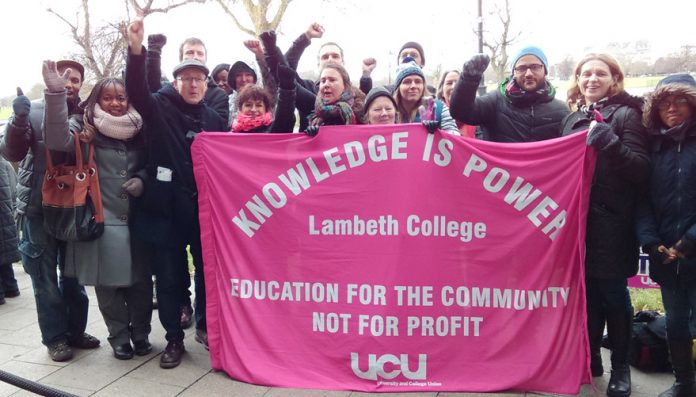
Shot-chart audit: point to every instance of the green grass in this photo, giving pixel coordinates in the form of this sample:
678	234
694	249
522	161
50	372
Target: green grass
646	299
5	112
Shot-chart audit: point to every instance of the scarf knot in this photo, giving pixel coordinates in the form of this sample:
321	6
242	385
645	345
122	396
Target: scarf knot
122	128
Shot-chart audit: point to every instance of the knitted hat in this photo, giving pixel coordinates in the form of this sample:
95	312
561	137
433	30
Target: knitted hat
237	68
530	51
413	44
219	68
376	93
407	68
67	63
681	78
190	64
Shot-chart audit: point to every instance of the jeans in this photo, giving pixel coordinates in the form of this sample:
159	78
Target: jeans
680	310
8	282
61	302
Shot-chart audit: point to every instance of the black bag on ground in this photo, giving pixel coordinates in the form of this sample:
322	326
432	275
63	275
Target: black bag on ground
648	350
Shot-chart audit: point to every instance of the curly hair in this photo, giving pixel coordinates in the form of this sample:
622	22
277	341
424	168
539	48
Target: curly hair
253	92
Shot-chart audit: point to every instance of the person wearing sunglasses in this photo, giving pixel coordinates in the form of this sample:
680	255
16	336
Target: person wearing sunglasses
667	218
522	109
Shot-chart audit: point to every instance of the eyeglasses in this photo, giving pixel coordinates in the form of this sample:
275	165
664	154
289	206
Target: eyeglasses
188	80
677	102
535	67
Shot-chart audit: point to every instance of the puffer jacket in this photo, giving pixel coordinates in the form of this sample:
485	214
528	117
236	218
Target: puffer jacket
621	173
26	145
8	229
503	119
669	212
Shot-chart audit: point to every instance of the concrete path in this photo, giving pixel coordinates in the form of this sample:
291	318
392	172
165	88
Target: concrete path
97	373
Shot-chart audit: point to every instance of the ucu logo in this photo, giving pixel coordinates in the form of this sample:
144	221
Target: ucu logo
375	366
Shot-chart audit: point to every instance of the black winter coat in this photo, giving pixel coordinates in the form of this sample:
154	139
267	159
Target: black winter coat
668	213
171	125
621	173
503	119
8	229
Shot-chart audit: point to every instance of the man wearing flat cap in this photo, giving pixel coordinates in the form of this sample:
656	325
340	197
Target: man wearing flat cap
522	109
173	116
61	303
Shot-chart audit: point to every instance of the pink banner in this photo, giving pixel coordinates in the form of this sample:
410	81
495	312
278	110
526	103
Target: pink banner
383	258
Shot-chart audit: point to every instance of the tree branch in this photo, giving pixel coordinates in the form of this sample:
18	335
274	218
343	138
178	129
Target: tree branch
234	18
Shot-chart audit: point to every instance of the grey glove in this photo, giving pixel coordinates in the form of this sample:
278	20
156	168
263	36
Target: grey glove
21	107
601	136
155	42
55	83
476	65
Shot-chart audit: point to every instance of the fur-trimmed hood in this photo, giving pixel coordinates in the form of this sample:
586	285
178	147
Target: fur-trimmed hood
651	115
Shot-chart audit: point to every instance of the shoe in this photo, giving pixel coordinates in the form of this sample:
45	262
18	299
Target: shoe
202	337
172	355
84	341
12	294
123	352
60	352
186	316
142	347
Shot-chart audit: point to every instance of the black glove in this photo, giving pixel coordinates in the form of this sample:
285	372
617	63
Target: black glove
601	136
476	65
431	125
21	107
155	42
286	77
686	247
268	39
312	130
656	257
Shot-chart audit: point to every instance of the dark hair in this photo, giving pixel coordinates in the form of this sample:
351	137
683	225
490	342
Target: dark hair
341	70
255	93
87	134
340	50
191	41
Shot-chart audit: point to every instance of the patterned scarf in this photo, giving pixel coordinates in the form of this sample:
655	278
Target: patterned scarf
340	110
245	123
519	96
118	127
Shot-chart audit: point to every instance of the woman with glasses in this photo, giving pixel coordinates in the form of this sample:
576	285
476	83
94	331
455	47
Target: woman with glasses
667	218
621	171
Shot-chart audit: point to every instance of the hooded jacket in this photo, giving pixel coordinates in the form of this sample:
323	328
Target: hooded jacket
668	213
621	173
504	119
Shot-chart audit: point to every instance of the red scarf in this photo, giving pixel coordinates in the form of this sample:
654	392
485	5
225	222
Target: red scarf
244	123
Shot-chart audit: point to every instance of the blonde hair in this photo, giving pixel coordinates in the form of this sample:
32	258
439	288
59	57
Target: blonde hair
575	98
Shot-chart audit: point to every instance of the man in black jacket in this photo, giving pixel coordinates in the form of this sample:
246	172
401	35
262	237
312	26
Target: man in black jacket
61	303
523	109
174	115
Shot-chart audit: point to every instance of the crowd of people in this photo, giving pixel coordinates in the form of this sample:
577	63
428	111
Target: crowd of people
142	125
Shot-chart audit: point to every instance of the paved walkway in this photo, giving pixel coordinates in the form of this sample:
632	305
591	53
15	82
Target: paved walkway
97	373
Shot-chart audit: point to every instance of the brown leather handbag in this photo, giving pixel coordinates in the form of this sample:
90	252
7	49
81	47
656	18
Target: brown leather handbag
72	202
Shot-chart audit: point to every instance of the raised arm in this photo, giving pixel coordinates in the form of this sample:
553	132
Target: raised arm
56	127
294	53
137	86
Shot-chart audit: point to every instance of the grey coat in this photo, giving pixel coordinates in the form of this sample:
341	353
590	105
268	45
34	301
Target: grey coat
114	259
8	228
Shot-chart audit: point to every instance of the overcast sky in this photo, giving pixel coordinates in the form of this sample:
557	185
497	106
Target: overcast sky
363	28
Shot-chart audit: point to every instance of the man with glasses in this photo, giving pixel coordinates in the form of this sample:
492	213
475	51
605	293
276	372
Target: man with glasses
174	116
522	109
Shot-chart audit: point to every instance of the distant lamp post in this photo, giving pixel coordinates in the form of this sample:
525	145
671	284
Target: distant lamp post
482	85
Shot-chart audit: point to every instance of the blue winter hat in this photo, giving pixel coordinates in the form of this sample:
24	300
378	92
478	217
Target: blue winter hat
536	51
681	78
407	68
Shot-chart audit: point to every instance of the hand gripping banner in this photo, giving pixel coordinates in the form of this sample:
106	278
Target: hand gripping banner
384	258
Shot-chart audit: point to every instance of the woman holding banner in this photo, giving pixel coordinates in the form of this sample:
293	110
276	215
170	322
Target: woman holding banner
337	102
623	166
667	220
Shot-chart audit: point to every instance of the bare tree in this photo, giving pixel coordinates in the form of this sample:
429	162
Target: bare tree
102	49
257	12
498	45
